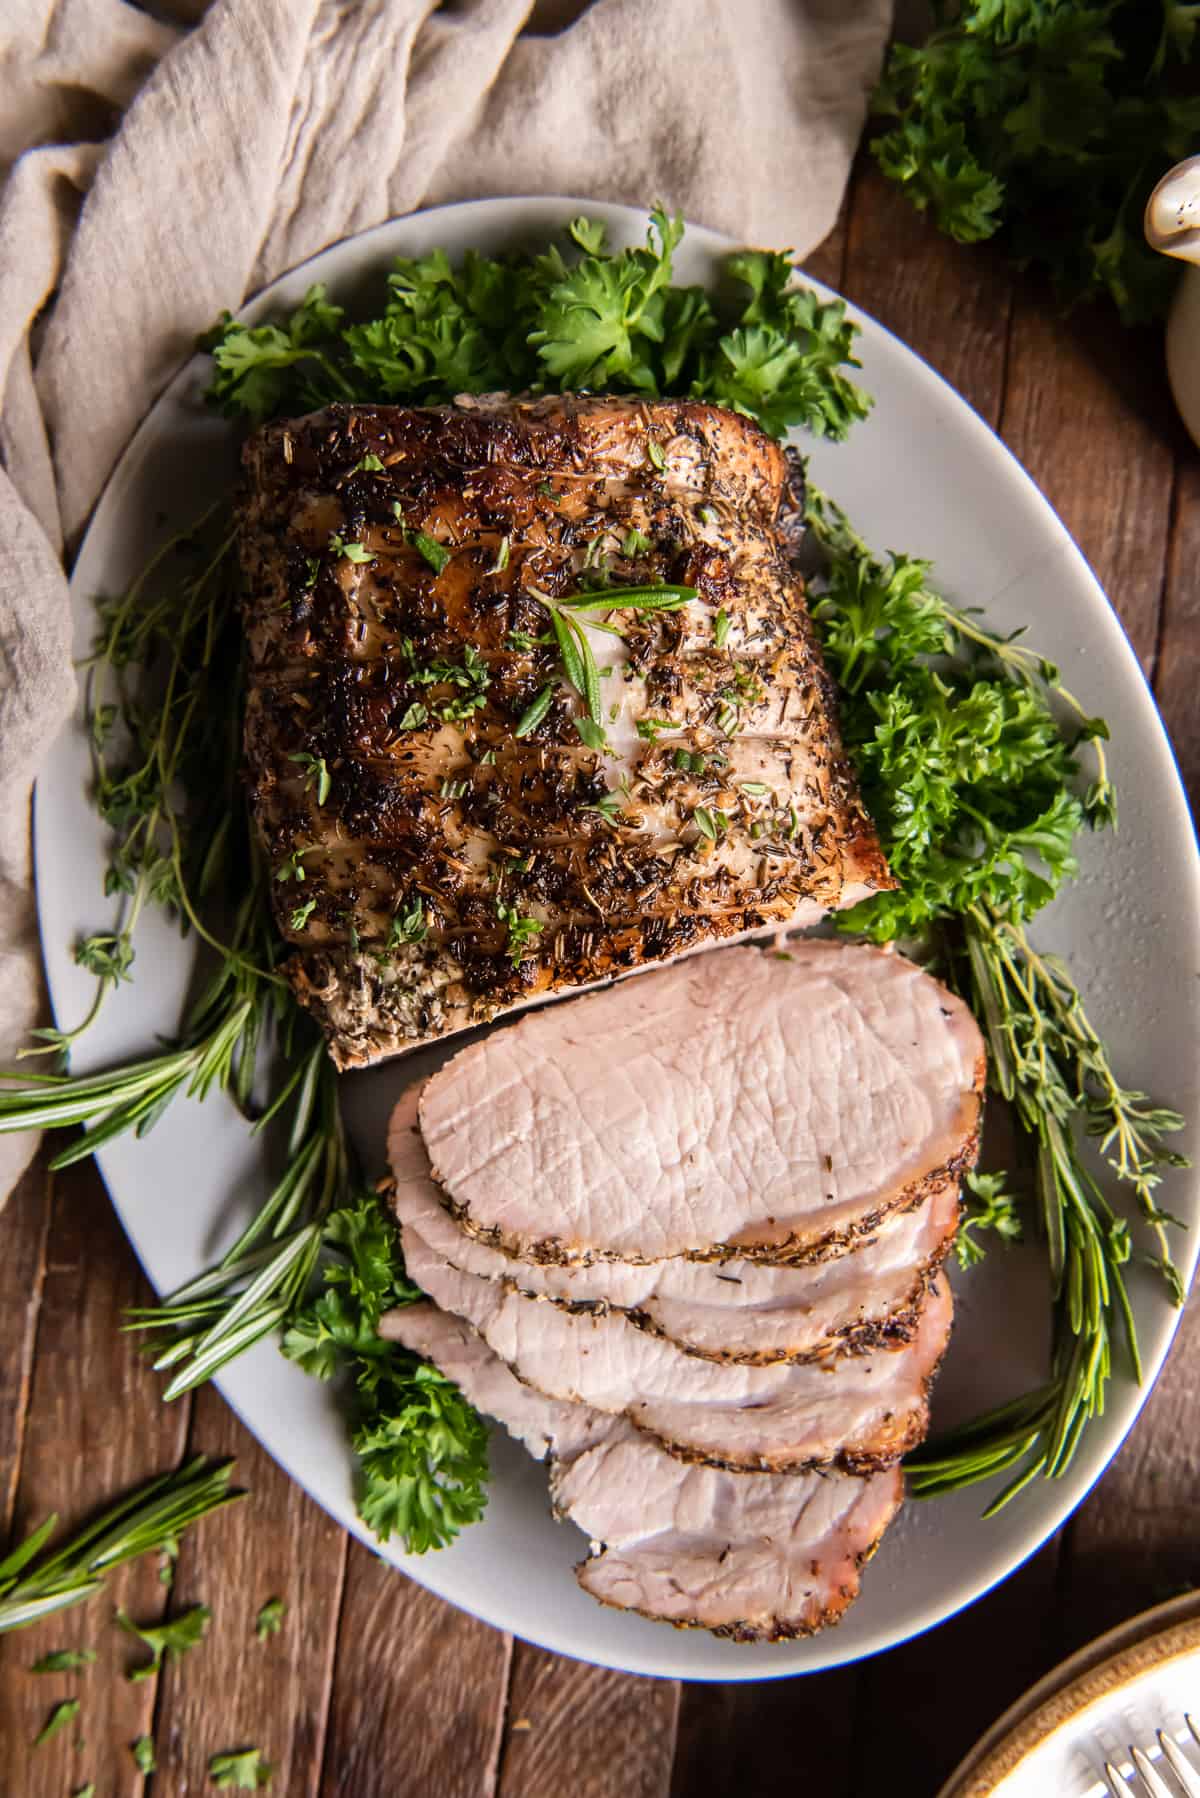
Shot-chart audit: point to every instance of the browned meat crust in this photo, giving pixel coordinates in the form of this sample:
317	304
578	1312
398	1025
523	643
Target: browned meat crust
402	815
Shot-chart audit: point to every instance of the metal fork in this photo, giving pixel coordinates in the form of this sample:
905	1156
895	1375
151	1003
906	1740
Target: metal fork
1151	1781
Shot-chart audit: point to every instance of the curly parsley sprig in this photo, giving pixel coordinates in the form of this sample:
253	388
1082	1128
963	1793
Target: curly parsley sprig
580	316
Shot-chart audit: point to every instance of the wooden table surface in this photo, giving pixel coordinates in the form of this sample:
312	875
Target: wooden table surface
373	1688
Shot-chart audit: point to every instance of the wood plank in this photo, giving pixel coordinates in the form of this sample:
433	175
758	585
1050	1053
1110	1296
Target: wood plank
418	1692
236	1691
948	302
22	1274
785	1735
586	1731
1177	672
1087	412
96	1426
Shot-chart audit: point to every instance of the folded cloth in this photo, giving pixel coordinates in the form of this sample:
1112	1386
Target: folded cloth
162	169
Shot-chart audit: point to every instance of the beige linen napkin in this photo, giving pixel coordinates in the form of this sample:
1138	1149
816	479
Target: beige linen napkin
161	171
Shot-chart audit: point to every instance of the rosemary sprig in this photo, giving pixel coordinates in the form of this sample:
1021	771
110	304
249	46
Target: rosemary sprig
150	1519
575	653
260	1283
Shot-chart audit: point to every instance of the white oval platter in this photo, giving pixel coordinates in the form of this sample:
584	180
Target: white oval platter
923	474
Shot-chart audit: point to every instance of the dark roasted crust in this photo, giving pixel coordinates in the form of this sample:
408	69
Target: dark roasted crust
329	678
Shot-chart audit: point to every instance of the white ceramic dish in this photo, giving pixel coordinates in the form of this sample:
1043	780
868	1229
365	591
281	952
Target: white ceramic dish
925	474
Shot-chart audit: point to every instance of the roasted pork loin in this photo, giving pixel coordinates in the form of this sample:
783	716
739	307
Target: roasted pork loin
751	1556
432	867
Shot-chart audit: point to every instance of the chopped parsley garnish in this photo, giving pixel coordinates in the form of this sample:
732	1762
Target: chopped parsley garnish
353	552
634	543
413	716
242	1770
650	729
993	1209
721	628
174	1637
755	788
370	464
269	1621
521	930
316	774
143	1754
60	1716
434	552
302	914
64	1660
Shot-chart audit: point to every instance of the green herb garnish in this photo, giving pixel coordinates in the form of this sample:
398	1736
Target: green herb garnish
60	1716
434	553
422	1450
269	1621
173	1638
1048	124
353	552
973	785
583	317
316	774
243	1770
64	1660
143	1754
33	1585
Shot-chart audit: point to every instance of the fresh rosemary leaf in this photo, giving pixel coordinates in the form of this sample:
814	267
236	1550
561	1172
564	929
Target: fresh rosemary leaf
32	1587
534	712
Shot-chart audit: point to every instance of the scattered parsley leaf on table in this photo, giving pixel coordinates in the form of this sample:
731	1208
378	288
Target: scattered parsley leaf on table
143	1753
174	1637
64	1660
60	1716
270	1619
244	1770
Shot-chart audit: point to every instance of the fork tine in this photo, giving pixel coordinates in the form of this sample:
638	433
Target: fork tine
1151	1777
1183	1770
1117	1784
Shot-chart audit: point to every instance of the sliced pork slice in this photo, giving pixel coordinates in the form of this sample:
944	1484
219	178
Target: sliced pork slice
742	1104
725	1311
752	1556
859	1413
